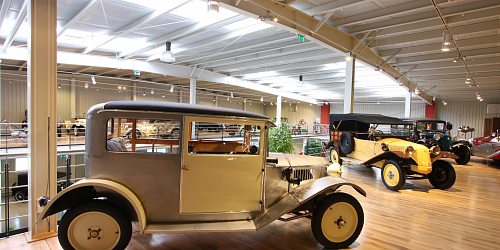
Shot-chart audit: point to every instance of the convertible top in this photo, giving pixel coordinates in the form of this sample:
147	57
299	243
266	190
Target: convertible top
415	119
361	122
179	108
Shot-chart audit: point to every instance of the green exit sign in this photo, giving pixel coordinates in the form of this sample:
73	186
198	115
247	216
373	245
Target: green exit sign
137	73
62	156
301	38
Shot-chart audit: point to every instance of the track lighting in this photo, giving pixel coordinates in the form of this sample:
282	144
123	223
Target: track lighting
446	42
348	56
213	6
167	56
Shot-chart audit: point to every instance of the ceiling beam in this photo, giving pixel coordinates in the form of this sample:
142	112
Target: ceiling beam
3	11
333	6
245	46
22	66
19	21
458	76
182	33
105	71
473	70
81	69
298	65
83	11
451	64
447	56
134	25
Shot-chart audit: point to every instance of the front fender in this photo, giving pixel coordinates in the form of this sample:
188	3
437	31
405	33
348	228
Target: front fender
309	190
86	188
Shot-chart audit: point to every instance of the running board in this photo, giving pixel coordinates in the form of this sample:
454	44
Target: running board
226	226
349	159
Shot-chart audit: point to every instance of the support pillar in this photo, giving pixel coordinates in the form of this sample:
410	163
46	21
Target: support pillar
349	85
408	104
134	91
192	91
72	98
42	88
278	111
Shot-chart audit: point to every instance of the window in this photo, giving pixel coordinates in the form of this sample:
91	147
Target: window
151	136
224	138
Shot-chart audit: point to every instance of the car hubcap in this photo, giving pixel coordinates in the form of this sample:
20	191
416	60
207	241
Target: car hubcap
339	222
94	230
391	175
333	156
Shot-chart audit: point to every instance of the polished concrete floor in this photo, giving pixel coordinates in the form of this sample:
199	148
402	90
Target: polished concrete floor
466	216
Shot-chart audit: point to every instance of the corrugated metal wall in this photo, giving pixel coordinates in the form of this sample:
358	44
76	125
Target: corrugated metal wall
392	109
304	111
14	97
470	114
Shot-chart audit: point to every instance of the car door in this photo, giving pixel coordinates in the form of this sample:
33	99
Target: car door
217	176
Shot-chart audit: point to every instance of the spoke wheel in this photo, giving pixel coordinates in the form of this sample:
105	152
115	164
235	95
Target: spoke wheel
443	175
393	175
94	225
337	221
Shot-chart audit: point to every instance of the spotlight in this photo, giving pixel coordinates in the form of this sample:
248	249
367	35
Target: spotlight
93	79
275	19
417	91
446	42
152	91
119	87
348	56
213	6
445	103
163	95
124	87
301	82
144	93
59	86
171	88
455	60
261	98
86	85
231	94
228	98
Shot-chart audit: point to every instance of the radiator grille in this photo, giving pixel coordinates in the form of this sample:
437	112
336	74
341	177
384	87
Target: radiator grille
303	174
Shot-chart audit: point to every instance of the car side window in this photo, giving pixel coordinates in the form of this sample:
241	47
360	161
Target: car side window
150	136
224	138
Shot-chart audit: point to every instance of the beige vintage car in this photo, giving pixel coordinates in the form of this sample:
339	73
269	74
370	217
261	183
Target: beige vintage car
362	140
197	182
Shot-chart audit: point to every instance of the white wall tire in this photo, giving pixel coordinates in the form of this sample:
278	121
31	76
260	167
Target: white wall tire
94	225
337	221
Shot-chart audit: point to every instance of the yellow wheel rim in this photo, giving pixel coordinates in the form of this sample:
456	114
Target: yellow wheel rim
391	175
94	230
339	222
334	156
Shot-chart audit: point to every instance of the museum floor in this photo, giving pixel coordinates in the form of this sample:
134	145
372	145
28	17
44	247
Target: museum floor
418	217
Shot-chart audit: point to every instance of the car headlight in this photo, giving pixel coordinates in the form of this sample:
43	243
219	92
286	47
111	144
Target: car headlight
436	137
409	150
435	150
43	201
384	147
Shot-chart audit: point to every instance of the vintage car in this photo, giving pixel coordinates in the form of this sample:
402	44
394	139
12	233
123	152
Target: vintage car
431	132
360	139
194	183
487	147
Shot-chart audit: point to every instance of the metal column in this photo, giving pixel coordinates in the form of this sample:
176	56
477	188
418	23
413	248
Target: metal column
192	91
408	104
72	98
42	88
278	111
349	85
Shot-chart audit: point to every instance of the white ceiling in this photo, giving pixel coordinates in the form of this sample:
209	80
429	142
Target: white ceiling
235	45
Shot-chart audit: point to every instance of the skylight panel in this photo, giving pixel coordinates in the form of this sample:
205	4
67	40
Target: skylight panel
160	5
126	44
240	24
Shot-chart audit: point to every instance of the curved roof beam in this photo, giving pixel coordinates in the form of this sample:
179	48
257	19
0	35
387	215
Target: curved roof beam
329	37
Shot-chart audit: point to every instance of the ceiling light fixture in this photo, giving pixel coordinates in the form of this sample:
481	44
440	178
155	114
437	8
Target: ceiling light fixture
59	86
171	88
152	91
301	82
446	42
93	79
445	103
348	56
124	87
231	94
275	19
167	56
417	91
163	95
86	85
144	93
213	6
261	98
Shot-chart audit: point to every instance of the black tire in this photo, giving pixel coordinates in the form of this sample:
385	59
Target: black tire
443	175
463	153
174	134
97	216
21	195
393	175
346	143
333	155
337	221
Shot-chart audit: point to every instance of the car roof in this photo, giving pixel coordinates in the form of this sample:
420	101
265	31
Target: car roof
368	118
416	119
175	107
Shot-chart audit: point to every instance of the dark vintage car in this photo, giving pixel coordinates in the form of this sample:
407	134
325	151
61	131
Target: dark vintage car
431	132
197	182
382	141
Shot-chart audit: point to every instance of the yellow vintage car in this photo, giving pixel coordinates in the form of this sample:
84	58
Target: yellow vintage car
382	141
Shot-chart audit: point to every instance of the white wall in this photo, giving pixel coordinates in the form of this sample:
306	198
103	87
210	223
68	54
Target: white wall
470	114
388	109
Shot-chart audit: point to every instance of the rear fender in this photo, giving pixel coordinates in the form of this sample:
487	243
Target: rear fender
85	190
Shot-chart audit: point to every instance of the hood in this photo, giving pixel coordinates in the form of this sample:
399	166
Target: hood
287	160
